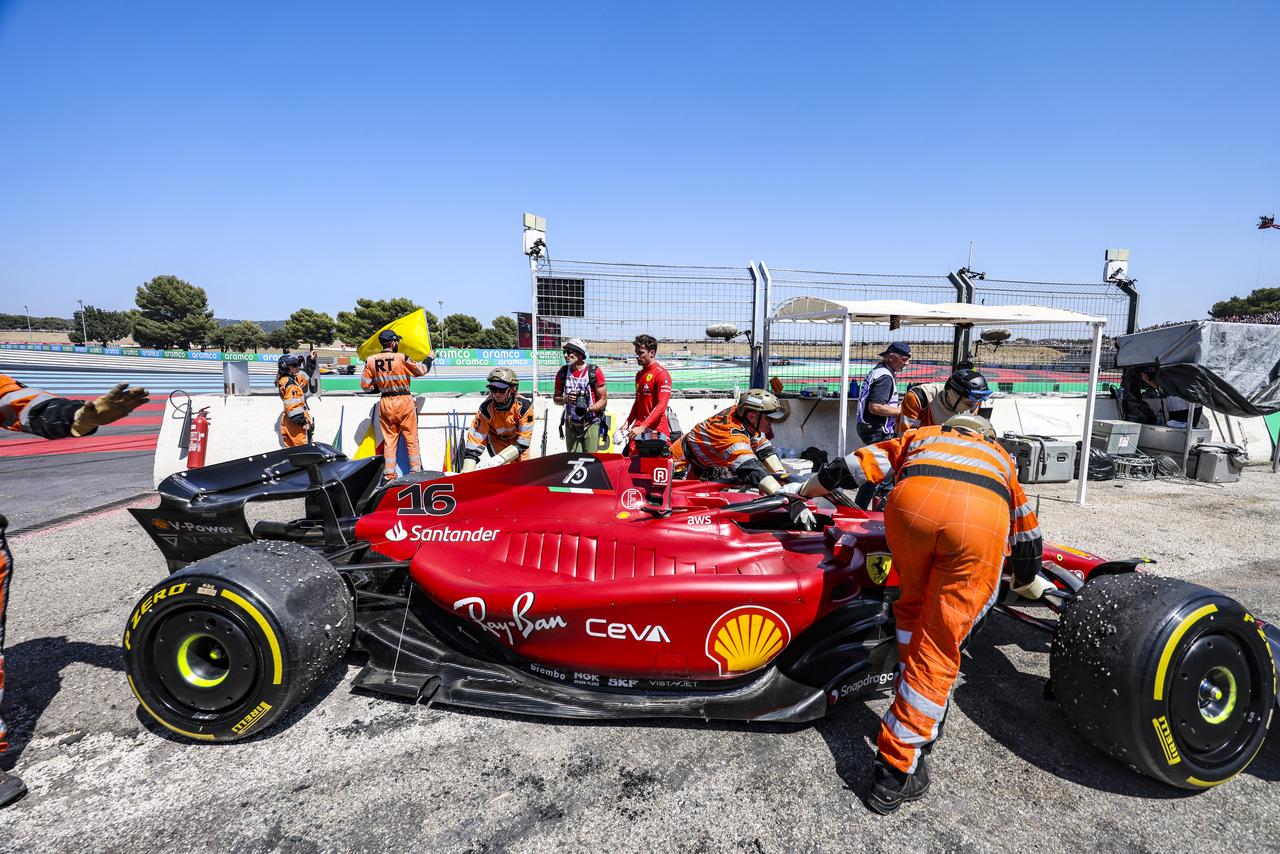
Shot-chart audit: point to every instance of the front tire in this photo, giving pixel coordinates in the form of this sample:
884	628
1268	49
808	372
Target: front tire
1173	679
224	647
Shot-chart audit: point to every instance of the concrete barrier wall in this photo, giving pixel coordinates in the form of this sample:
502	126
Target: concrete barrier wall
240	426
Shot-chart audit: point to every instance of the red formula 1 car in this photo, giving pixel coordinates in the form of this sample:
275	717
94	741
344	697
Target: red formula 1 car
585	586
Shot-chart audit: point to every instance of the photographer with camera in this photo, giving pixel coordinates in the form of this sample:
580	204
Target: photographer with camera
296	424
580	389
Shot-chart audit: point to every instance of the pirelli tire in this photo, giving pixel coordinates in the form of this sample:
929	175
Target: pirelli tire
1173	679
223	648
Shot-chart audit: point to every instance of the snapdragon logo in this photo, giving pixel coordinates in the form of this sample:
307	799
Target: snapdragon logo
419	534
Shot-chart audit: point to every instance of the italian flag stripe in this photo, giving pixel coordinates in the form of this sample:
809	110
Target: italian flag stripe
580	491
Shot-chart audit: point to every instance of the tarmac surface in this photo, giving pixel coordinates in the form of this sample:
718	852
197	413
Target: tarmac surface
356	772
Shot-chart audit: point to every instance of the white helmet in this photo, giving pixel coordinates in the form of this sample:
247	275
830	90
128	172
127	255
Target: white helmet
976	423
578	345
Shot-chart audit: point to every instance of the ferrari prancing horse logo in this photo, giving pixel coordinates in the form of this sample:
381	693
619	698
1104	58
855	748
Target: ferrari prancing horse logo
878	566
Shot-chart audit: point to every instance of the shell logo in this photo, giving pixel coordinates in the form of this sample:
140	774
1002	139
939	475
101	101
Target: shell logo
746	638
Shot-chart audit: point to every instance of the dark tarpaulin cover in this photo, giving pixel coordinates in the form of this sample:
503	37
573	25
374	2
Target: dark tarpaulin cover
1232	368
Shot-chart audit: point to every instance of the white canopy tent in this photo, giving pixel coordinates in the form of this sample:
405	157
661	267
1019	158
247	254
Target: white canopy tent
906	313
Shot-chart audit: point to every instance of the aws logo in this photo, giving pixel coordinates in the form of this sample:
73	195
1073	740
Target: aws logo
746	638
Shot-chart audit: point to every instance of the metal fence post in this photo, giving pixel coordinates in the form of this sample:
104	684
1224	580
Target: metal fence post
758	311
842	441
533	276
1132	293
962	341
765	305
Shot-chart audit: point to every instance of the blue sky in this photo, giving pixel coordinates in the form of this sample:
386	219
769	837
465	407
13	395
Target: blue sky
288	154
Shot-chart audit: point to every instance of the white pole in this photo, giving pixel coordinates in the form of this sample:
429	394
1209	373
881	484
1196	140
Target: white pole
84	329
533	288
1094	361
842	445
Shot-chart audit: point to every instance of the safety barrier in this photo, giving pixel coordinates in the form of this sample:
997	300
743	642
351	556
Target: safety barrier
147	352
241	426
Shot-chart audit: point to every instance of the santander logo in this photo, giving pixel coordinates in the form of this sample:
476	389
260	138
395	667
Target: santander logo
396	533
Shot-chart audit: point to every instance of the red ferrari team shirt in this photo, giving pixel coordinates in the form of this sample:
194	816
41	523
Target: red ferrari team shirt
653	394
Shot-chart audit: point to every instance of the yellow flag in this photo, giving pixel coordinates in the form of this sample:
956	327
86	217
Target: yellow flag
368	445
415	338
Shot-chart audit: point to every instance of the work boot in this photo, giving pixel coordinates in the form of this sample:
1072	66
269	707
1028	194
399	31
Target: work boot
11	788
892	788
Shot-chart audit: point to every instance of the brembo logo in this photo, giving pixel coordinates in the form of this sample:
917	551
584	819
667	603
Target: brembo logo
419	534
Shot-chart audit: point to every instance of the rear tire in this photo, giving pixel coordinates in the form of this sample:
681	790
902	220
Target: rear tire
224	647
1173	679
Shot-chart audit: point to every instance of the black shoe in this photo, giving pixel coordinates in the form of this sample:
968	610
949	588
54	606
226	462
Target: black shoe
891	788
11	788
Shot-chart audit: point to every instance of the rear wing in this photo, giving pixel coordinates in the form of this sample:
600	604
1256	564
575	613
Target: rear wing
201	510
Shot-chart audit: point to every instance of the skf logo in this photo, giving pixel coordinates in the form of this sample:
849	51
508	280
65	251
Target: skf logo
396	533
746	638
878	566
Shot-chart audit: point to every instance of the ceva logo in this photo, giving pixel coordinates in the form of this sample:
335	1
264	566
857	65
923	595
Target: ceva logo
396	533
599	628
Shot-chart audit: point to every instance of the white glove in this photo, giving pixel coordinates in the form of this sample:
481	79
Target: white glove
792	488
468	465
1035	588
804	519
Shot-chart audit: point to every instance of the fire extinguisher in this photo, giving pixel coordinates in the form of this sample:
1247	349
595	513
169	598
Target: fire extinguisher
199	441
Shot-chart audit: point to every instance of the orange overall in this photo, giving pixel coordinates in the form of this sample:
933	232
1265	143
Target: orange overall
956	512
722	446
918	409
498	429
390	373
293	391
25	410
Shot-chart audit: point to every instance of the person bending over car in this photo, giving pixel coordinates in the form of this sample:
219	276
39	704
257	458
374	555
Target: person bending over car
503	425
30	410
933	403
296	424
389	373
956	512
732	446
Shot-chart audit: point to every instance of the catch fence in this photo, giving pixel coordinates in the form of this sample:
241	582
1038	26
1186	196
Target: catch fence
607	304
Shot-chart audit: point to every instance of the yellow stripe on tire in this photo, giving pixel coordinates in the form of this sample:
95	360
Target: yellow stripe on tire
1163	668
266	630
202	736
